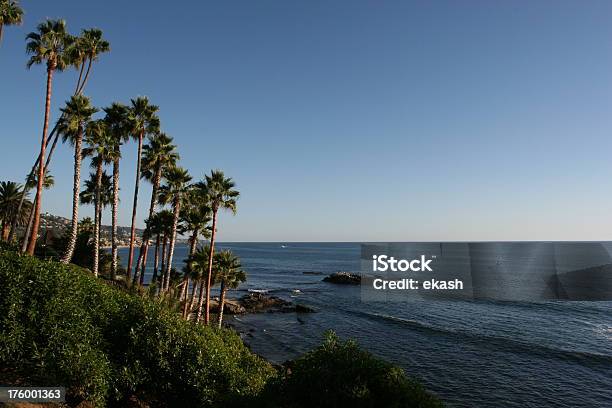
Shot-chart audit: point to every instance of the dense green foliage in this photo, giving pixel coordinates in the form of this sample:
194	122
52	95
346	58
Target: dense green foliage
106	345
341	374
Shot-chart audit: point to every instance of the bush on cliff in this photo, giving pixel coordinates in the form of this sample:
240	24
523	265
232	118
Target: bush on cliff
71	329
341	374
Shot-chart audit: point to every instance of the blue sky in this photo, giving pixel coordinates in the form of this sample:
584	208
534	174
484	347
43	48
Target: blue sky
352	120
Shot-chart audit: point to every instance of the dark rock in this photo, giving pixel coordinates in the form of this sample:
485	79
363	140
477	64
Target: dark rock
231	307
259	302
312	273
345	278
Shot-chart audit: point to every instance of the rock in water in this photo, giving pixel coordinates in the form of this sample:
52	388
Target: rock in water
345	278
259	302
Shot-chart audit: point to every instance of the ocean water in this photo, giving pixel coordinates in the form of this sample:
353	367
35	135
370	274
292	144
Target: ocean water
470	353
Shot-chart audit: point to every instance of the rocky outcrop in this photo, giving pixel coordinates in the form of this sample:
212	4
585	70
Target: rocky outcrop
231	307
344	278
259	302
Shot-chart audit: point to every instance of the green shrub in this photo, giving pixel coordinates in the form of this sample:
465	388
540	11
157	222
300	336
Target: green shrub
341	374
107	345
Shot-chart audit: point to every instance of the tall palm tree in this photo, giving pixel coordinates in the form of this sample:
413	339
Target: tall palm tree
49	44
75	116
101	147
143	120
220	194
86	47
230	274
173	192
158	155
116	120
10	14
10	192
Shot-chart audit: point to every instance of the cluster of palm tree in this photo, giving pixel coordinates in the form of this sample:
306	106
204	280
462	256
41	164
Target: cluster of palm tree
226	270
177	206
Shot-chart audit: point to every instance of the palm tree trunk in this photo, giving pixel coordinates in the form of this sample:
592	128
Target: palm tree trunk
192	245
140	272
221	302
163	257
97	219
100	223
25	190
115	210
210	263
185	288
194	293
32	214
76	188
156	260
5	230
201	301
26	234
144	246
135	203
86	76
188	306
76	90
177	209
41	168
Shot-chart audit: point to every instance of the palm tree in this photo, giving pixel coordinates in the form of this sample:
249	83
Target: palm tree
48	44
173	192
220	194
75	117
116	121
10	193
10	14
143	120
230	274
101	147
89	46
158	155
